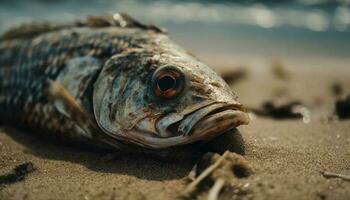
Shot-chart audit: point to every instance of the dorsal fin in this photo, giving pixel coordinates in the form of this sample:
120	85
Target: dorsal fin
30	30
118	20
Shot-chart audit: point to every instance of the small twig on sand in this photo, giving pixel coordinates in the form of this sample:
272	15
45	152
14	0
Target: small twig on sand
192	187
334	175
215	190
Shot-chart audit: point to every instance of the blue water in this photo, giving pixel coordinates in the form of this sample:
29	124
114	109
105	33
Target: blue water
305	29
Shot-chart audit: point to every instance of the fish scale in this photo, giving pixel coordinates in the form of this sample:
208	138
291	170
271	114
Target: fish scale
27	64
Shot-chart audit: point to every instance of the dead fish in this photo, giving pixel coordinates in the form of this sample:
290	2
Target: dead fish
114	82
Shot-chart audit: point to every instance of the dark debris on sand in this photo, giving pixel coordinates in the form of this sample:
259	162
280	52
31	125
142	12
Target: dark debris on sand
342	103
342	107
235	75
286	110
17	174
337	89
280	72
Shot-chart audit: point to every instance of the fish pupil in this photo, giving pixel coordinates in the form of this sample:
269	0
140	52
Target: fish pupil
166	83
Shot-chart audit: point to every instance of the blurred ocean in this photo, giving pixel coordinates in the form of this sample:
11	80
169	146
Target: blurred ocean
303	33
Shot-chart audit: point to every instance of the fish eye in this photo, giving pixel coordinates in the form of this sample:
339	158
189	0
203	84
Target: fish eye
168	82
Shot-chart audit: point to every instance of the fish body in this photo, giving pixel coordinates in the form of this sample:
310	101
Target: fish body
114	82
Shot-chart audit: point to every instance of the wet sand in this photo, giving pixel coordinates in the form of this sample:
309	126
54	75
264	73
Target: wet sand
287	156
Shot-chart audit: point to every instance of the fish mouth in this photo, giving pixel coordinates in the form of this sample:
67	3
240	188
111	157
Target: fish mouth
202	124
210	121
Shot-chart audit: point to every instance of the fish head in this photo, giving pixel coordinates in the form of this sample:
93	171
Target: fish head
160	96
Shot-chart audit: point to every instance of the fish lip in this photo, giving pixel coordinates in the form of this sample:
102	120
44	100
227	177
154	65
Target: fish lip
219	122
189	124
219	118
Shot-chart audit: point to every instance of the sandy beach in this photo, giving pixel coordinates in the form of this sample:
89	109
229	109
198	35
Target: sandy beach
287	156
